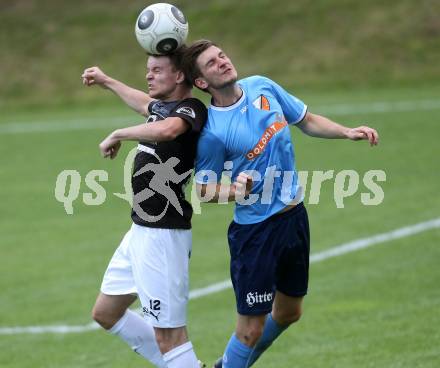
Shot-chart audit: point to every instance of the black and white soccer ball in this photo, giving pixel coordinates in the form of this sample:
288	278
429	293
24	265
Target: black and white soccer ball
161	28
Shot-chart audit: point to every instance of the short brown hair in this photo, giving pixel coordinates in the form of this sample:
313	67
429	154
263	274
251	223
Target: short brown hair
190	67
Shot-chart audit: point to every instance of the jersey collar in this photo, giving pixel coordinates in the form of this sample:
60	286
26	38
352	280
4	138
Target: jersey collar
230	107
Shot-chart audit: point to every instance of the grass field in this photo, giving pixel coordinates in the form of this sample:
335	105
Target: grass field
378	307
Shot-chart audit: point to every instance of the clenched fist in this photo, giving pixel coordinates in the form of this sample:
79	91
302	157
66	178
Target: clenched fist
243	185
94	75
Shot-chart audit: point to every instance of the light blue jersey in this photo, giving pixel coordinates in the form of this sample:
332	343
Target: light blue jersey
253	136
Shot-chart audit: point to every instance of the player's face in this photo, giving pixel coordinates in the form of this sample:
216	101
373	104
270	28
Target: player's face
161	77
216	68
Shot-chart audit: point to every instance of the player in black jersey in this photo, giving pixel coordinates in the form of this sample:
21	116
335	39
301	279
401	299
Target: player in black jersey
152	259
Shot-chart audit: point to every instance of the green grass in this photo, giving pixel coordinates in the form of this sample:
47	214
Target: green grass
374	308
346	44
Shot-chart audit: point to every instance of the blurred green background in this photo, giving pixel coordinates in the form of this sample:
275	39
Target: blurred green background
320	44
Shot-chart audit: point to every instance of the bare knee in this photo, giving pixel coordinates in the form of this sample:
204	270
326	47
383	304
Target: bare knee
165	345
109	309
99	315
250	334
294	317
288	318
286	309
105	318
170	338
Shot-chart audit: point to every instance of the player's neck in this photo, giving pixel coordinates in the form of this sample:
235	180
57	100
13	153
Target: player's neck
226	96
178	94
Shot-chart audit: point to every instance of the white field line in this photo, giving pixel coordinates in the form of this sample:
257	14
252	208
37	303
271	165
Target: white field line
336	251
378	107
63	125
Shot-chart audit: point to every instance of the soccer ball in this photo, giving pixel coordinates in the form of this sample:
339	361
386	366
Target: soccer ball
161	28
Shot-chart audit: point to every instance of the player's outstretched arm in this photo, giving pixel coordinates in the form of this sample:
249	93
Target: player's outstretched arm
134	98
160	131
322	127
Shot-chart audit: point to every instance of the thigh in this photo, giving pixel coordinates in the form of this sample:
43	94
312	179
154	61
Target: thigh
286	309
160	261
268	256
118	278
293	267
113	304
253	266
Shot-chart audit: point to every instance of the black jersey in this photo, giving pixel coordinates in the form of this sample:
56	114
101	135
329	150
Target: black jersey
163	169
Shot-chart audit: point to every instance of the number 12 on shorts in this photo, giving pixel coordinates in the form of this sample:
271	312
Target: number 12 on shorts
154	304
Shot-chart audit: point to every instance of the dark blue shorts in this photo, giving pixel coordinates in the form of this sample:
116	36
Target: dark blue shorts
268	256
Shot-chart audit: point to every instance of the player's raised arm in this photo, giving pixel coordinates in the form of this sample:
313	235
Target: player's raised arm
322	127
134	98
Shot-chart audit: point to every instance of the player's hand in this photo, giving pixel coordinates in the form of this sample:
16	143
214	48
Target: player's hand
109	147
364	132
94	75
243	185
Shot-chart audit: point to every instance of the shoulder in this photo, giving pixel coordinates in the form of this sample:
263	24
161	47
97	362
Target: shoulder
192	102
191	107
256	85
255	79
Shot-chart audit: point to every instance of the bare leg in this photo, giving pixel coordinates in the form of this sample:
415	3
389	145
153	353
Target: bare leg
177	350
109	309
112	313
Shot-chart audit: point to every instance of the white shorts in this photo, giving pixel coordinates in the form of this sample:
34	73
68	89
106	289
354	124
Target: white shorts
153	263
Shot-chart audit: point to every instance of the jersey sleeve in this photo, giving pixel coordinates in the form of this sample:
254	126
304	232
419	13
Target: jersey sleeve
193	111
293	108
210	159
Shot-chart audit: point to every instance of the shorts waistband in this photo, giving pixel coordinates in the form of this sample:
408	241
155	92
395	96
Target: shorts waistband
289	212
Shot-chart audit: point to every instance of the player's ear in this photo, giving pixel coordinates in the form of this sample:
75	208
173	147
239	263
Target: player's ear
201	83
180	77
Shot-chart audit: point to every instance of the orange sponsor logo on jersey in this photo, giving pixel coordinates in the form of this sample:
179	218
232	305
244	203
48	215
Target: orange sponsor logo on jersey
268	134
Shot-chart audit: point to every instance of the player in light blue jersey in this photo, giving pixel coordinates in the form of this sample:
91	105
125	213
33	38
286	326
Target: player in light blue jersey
262	149
247	134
